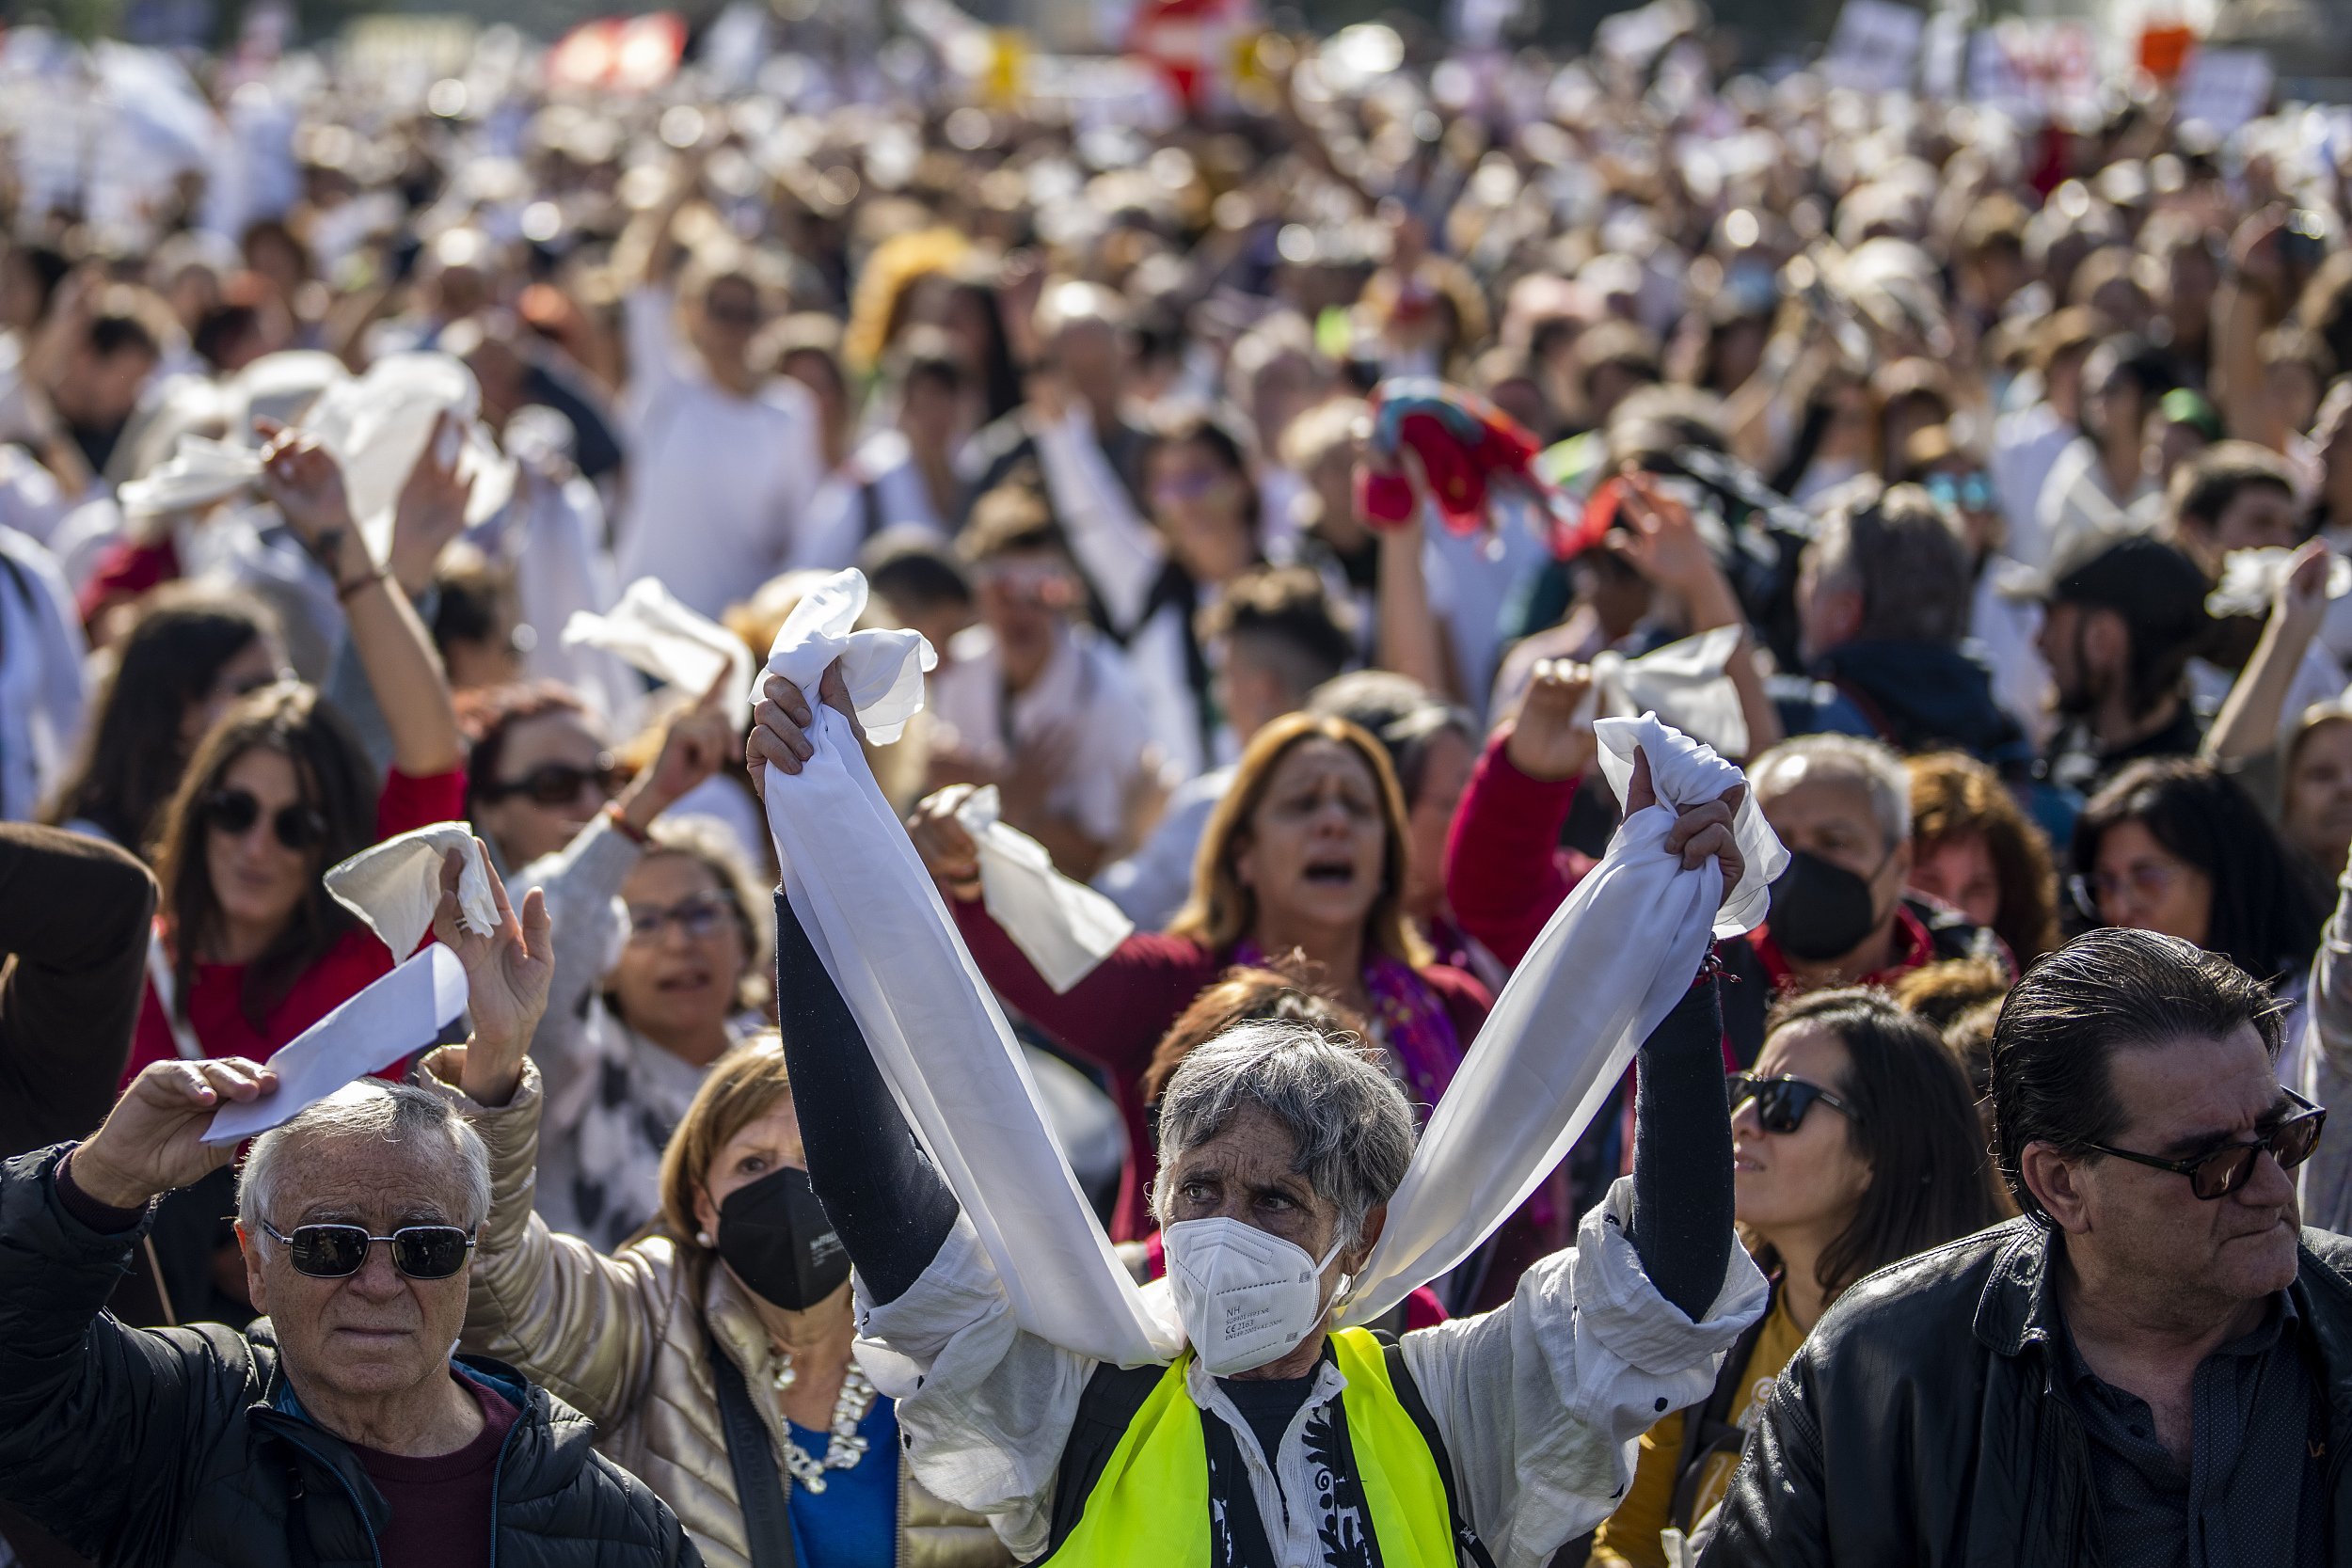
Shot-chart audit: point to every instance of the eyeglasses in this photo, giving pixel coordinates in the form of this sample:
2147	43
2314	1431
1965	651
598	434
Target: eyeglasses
2149	881
703	915
732	315
338	1251
557	783
1970	492
235	812
2223	1171
1781	1102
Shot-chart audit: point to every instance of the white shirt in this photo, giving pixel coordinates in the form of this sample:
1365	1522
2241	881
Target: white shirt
879	487
2076	499
718	484
1085	690
2025	445
1540	1402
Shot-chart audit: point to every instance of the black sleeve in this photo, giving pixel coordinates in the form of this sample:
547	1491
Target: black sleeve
1682	1155
74	914
878	1188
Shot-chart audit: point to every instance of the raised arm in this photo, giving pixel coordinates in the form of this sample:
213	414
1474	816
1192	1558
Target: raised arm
1117	547
2247	725
394	648
74	912
1505	869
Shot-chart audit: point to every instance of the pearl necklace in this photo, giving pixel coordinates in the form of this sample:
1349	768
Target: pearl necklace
846	1447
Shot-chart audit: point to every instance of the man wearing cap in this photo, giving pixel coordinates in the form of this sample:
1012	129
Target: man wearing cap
2123	616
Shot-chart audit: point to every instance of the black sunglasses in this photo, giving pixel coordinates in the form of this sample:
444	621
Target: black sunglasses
338	1251
1781	1102
557	783
2223	1171
235	812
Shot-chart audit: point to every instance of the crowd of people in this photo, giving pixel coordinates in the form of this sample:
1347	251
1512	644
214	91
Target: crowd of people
1285	499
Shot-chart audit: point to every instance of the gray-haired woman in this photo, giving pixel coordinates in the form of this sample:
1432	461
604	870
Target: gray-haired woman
1274	1438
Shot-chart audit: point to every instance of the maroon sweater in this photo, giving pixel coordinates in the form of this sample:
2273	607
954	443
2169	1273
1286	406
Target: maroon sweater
1115	1016
444	1508
1505	869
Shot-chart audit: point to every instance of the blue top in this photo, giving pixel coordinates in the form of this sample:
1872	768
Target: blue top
854	1523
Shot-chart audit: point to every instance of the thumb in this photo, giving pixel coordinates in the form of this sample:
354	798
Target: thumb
1639	794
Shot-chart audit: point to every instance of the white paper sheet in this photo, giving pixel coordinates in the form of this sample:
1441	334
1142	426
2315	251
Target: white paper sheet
650	630
395	886
1064	927
395	1017
1609	966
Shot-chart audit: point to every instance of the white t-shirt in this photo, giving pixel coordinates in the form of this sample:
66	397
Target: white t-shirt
1084	687
719	485
879	487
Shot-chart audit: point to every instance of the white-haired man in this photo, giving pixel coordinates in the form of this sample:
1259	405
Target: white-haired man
338	1429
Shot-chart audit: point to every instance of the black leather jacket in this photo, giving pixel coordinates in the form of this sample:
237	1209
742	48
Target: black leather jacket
183	1448
1923	1421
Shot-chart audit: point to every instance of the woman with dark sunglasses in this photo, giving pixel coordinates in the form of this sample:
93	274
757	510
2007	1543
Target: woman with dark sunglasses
250	951
1853	1145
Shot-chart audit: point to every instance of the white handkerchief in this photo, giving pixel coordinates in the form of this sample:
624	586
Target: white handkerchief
396	885
652	631
2251	579
199	472
884	669
377	427
1684	684
396	1016
1065	927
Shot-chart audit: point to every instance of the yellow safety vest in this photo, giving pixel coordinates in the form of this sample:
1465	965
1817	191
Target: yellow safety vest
1152	1502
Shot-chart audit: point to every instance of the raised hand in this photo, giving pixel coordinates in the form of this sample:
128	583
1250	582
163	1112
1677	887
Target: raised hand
432	508
781	721
1661	538
948	852
2301	602
1546	740
507	975
1704	830
153	1139
697	741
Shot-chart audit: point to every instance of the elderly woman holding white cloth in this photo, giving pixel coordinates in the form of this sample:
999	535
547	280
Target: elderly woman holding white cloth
1273	1437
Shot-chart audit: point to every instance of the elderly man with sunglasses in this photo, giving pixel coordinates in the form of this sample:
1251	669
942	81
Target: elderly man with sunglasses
338	1429
2153	1365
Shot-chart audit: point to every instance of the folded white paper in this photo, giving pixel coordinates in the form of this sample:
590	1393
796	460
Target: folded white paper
1064	927
1683	682
395	1017
1609	966
199	472
650	630
378	425
396	885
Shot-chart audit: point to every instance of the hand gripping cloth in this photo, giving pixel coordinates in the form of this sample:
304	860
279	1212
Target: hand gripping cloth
1062	926
650	630
396	885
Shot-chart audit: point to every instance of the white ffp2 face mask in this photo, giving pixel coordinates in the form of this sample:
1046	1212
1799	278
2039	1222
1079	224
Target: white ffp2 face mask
1246	1297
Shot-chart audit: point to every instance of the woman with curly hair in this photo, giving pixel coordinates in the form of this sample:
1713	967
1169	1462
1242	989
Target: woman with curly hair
1973	847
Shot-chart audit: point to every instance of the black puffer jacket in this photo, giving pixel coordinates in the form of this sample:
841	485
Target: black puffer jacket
185	1446
1923	1421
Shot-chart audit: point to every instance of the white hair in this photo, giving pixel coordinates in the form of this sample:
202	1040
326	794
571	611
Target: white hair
394	1113
1353	1128
1868	763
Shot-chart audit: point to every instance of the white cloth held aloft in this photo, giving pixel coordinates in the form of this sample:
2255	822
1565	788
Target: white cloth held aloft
651	632
938	1037
1609	966
395	886
1683	683
882	668
1064	927
379	424
398	1015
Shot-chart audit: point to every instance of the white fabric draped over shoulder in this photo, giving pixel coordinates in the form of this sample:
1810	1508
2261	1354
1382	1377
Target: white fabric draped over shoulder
1607	969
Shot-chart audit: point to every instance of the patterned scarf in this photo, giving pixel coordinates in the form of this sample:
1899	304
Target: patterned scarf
1408	1020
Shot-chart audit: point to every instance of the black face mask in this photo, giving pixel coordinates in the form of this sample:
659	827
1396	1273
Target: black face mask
1820	910
774	1235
